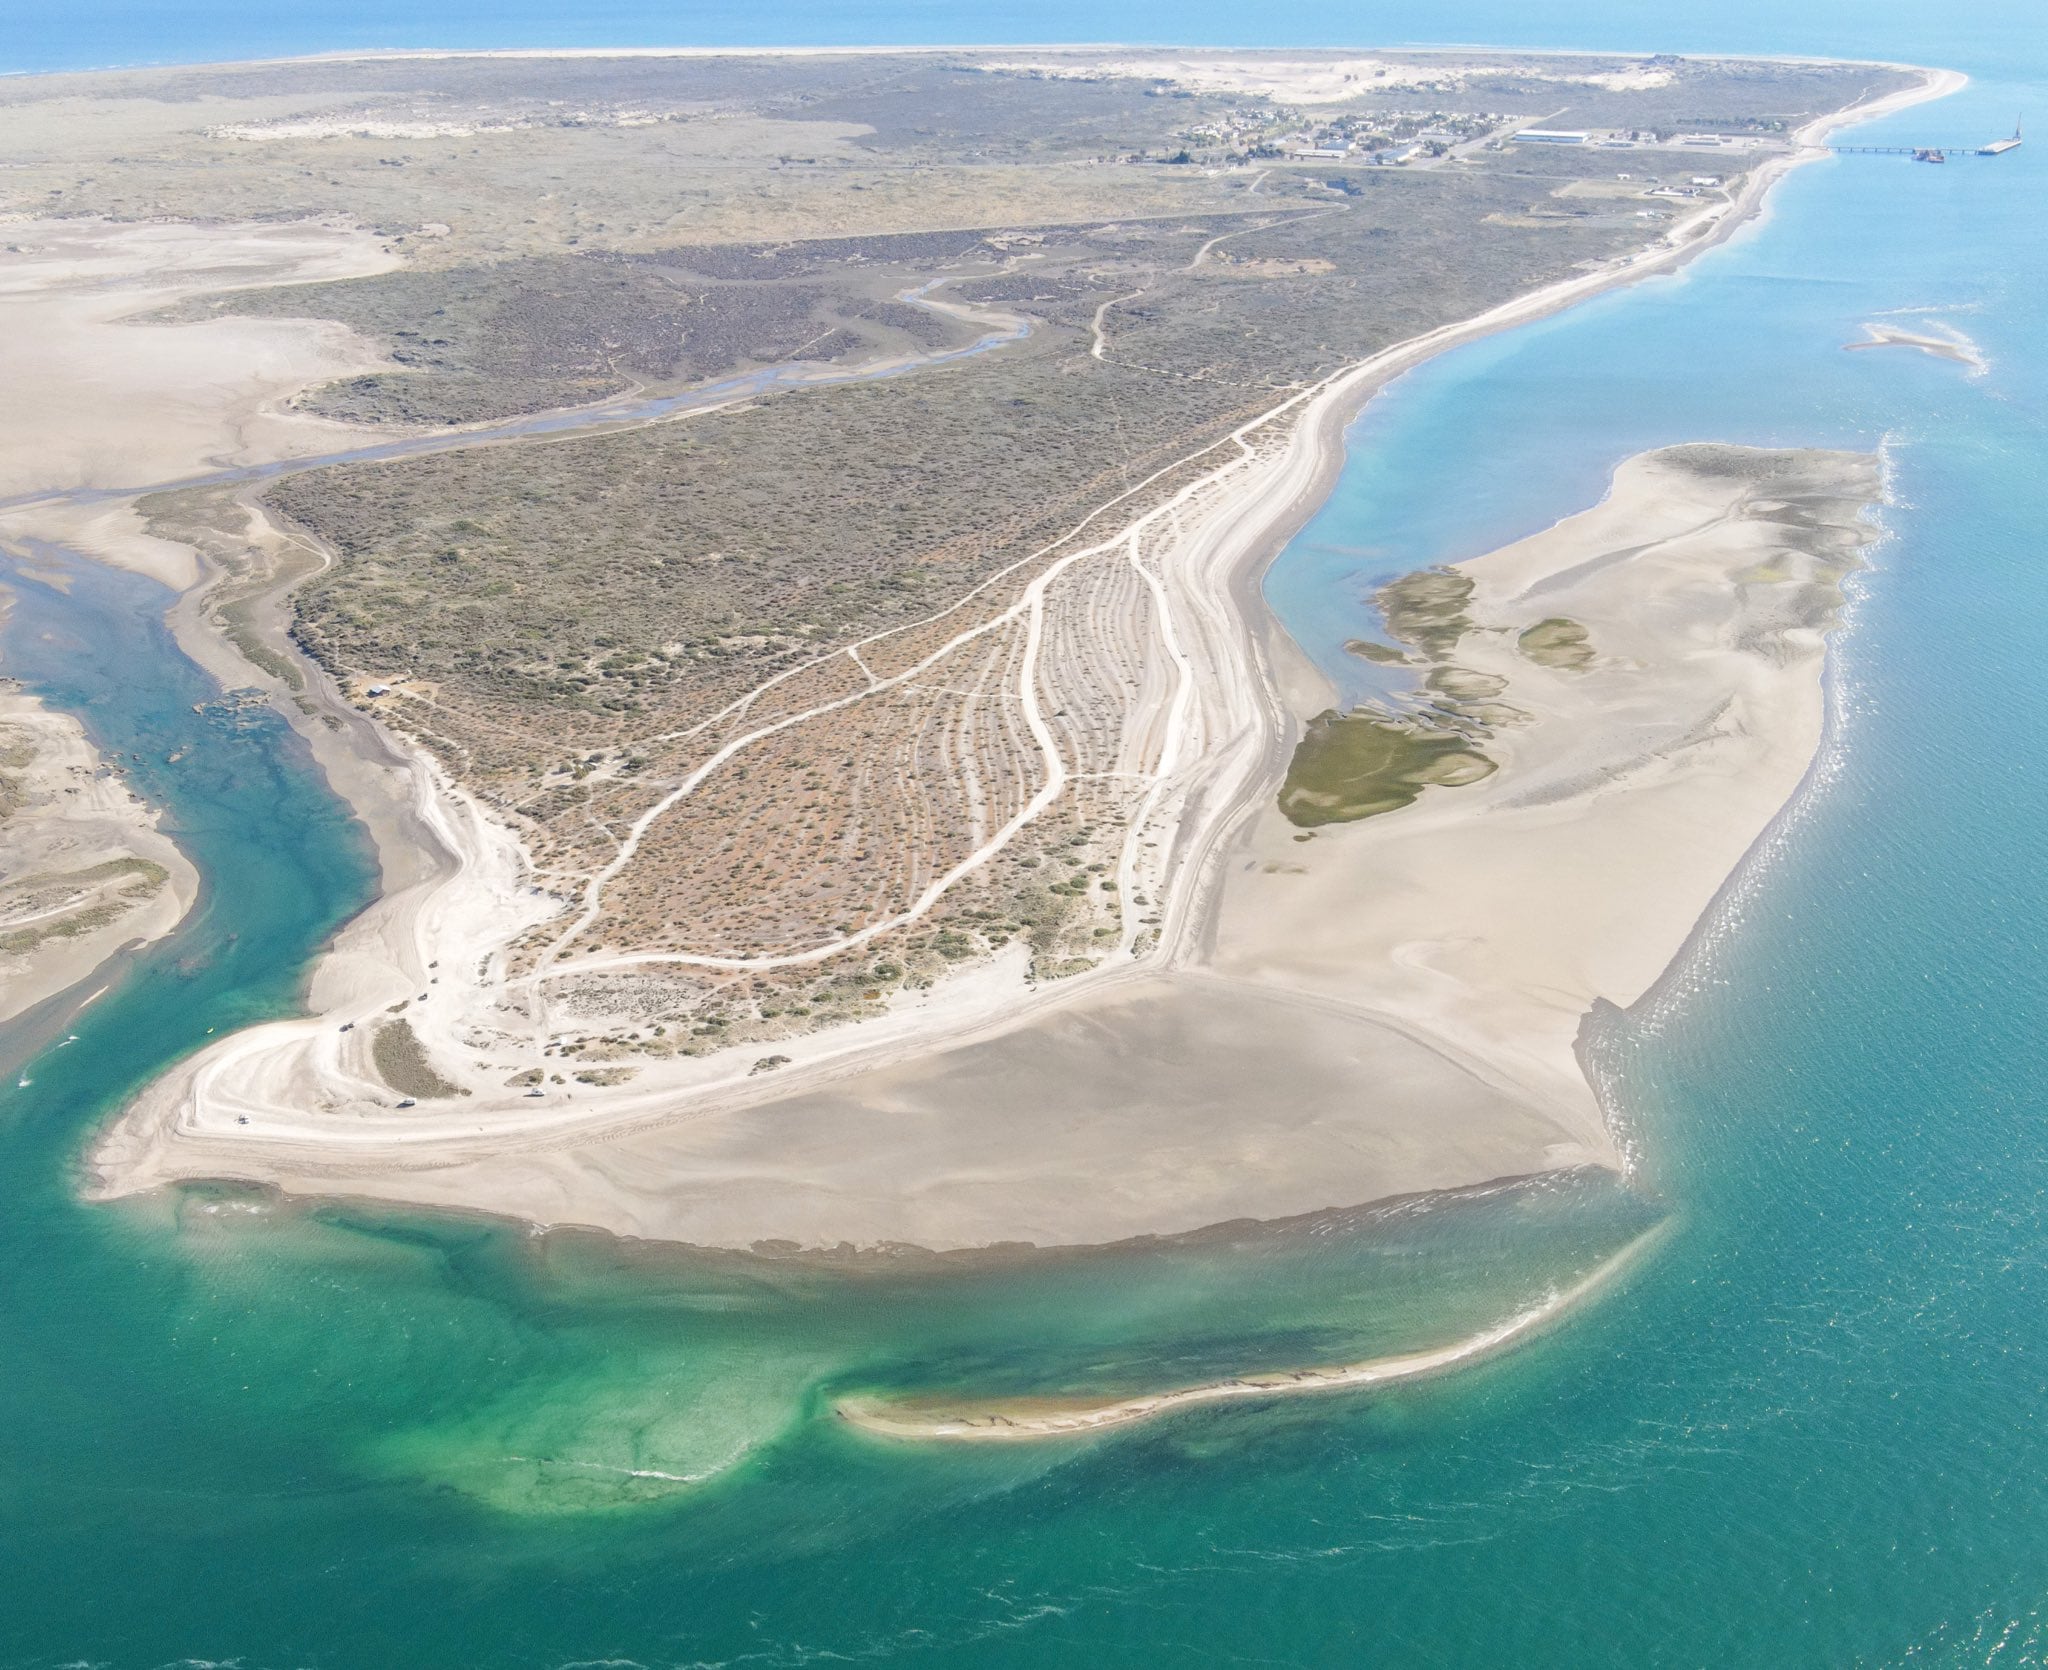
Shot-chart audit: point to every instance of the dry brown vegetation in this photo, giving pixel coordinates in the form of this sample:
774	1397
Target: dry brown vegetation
780	647
461	159
403	1065
529	335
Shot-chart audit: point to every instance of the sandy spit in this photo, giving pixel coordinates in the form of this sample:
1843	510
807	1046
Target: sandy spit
925	1128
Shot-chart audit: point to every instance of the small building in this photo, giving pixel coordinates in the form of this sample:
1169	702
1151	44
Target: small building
1708	180
1550	136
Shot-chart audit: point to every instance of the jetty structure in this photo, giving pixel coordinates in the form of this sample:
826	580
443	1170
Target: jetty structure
1934	153
1998	147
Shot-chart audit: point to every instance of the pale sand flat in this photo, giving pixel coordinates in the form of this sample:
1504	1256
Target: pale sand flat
1165	1106
1492	918
102	398
69	815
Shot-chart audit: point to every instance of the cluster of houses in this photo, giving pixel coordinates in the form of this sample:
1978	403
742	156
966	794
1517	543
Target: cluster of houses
1383	138
1389	138
1238	129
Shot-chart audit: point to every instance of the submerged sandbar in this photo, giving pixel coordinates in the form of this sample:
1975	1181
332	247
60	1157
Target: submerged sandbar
1015	1420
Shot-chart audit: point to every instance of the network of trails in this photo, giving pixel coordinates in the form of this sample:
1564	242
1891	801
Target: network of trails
914	683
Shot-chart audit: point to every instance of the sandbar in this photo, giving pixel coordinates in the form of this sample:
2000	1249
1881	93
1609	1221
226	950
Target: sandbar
87	872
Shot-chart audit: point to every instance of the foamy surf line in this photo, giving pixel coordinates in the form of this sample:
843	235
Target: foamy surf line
1023	1421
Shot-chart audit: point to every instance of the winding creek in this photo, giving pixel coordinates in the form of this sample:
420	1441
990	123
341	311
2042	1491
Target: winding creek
627	411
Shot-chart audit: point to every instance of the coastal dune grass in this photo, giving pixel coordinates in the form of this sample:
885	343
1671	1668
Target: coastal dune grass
403	1064
42	897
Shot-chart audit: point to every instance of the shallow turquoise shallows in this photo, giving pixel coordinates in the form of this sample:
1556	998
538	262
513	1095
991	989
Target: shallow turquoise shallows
1810	1427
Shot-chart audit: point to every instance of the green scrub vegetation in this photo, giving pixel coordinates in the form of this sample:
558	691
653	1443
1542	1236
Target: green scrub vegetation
403	1065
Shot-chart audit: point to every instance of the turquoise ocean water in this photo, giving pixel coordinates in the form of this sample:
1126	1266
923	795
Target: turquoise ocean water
1807	1430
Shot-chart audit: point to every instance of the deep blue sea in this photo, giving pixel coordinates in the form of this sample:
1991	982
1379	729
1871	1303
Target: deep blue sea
1810	1430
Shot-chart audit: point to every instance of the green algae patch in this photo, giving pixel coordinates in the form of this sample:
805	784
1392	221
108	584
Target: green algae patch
1427	609
1384	655
1352	766
1557	643
1773	571
1463	685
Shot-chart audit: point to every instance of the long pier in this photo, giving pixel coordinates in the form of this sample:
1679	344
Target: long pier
1913	151
1933	153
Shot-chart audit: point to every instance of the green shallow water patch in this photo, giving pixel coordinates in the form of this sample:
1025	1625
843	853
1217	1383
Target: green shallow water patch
1557	642
1351	766
1427	610
583	1375
533	1378
634	1424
